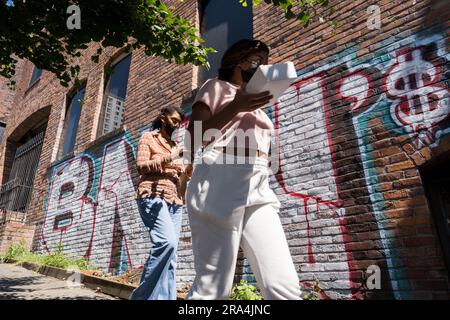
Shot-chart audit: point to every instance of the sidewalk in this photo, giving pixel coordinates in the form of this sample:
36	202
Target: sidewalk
18	283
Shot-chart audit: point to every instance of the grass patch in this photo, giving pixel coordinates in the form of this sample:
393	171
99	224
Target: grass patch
18	253
312	293
246	291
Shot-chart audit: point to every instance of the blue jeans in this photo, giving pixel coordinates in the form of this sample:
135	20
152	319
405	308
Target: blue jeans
164	222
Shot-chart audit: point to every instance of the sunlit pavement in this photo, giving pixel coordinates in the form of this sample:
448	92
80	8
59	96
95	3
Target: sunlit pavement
17	283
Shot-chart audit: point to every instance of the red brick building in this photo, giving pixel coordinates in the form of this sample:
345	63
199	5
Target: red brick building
362	143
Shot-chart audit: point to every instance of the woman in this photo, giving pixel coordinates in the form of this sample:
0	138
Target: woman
160	202
232	205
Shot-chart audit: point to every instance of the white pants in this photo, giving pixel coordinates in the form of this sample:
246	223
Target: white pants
231	206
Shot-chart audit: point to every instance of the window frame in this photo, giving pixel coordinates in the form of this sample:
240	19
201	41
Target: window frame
202	75
106	82
68	104
2	130
34	81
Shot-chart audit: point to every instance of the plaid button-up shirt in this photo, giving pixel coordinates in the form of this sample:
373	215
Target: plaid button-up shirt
166	180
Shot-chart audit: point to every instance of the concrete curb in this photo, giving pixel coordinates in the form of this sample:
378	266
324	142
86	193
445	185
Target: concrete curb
109	287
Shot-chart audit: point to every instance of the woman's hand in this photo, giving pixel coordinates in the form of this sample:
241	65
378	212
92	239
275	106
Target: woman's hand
247	102
176	153
189	169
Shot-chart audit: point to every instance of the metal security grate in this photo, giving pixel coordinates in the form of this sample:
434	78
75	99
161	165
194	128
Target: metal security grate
15	195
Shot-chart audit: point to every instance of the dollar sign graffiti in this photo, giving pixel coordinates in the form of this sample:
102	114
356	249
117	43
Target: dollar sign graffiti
420	104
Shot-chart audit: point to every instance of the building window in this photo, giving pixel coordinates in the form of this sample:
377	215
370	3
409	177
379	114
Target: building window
2	130
71	120
115	95
222	23
35	76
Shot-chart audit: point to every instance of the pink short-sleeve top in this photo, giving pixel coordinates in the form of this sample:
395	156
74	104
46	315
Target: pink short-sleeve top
247	129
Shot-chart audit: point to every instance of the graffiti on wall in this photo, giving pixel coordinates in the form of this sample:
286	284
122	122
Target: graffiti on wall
323	140
91	209
420	100
329	108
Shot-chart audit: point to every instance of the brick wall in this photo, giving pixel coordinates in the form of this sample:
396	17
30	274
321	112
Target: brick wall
7	93
14	230
368	112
